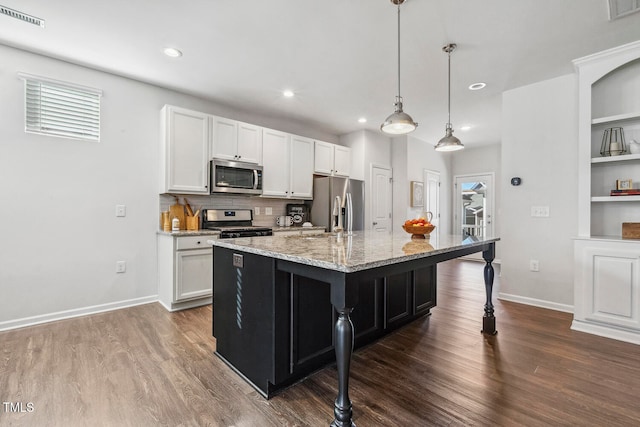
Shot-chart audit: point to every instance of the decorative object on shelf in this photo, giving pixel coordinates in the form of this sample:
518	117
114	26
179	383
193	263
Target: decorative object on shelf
624	184
634	147
417	193
399	122
631	230
613	142
449	142
516	180
624	187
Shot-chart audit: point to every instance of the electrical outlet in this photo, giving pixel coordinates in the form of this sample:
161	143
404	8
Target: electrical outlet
256	211
121	266
121	210
534	265
268	211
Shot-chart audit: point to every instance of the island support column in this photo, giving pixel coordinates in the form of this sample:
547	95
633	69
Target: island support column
344	296
489	320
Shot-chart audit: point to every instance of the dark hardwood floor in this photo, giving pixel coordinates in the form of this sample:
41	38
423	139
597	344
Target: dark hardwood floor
143	366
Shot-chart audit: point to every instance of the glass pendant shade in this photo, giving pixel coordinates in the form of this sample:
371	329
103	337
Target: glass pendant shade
399	122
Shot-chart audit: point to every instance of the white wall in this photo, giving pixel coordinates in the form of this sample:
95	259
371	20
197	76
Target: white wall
539	144
367	149
61	239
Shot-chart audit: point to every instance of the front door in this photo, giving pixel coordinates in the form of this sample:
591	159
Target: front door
381	198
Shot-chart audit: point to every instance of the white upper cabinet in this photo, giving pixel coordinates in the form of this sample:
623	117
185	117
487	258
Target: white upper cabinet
275	172
301	181
287	166
184	154
332	159
234	140
341	160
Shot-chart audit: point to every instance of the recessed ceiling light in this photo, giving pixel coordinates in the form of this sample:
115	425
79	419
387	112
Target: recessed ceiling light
477	86
362	120
288	93
465	128
172	52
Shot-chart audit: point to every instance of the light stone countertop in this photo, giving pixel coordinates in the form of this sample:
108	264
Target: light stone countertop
363	250
183	233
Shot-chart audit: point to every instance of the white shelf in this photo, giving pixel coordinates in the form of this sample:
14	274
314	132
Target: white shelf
616	118
622	158
615	199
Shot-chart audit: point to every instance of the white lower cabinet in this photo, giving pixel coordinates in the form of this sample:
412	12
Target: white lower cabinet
607	288
185	271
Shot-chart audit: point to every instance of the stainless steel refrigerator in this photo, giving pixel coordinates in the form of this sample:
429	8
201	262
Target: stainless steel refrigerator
325	191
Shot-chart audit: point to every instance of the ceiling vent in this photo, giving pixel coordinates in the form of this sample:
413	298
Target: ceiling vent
21	16
620	8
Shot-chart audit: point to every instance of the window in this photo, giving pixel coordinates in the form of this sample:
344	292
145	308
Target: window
620	8
61	109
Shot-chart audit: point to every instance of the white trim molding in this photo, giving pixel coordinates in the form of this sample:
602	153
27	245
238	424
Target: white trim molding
68	314
536	302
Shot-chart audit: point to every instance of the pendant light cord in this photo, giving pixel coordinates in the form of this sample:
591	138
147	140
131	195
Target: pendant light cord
449	90
399	97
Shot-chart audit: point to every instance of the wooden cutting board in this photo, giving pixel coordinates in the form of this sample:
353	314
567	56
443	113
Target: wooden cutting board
631	230
177	211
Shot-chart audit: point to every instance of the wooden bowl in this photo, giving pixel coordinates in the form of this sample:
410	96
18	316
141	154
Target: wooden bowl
418	232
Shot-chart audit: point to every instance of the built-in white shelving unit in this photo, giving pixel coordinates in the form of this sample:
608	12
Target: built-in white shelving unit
607	266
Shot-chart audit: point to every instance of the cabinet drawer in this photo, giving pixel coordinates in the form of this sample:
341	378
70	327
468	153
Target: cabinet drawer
192	242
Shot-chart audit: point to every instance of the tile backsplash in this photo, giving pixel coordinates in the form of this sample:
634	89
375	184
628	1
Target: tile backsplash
278	206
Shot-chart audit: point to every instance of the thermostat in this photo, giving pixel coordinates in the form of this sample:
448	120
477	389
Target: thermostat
516	180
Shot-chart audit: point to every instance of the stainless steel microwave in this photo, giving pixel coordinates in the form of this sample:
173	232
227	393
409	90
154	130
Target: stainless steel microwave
235	177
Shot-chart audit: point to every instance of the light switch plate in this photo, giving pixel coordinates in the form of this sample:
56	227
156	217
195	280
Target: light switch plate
540	211
121	210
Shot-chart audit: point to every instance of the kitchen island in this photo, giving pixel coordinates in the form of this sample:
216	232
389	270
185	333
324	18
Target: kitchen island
277	299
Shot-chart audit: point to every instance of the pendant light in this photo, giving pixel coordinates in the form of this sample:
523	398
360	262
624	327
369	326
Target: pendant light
449	142
399	122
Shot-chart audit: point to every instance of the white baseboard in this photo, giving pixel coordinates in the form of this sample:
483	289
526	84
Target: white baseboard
606	331
177	306
77	312
536	302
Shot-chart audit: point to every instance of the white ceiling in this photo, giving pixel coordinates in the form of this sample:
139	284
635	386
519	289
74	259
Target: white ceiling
338	56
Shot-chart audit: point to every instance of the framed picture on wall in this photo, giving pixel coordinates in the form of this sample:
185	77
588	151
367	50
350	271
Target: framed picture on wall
417	192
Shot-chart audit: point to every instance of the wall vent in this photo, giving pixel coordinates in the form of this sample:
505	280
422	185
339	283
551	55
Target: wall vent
21	16
620	8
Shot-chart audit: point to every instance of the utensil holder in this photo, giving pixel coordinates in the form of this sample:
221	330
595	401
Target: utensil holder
193	223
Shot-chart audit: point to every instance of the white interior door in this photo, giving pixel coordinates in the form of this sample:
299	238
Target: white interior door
381	198
474	205
432	195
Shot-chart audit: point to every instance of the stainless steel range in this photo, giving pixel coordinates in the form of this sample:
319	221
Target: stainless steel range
233	223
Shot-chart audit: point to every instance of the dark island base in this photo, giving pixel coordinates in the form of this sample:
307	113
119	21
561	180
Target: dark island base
271	319
275	326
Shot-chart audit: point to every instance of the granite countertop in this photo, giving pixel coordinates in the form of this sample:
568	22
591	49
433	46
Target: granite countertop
363	250
183	233
277	229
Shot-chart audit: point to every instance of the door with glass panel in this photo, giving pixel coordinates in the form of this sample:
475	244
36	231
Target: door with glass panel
474	205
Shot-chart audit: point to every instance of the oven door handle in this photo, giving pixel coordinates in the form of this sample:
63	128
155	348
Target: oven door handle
255	179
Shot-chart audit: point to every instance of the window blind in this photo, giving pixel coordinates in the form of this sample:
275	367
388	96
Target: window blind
57	108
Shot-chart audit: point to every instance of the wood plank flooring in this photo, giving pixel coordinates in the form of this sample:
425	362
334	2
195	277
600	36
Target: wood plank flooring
143	366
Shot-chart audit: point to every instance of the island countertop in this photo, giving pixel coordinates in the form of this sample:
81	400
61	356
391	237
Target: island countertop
363	250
